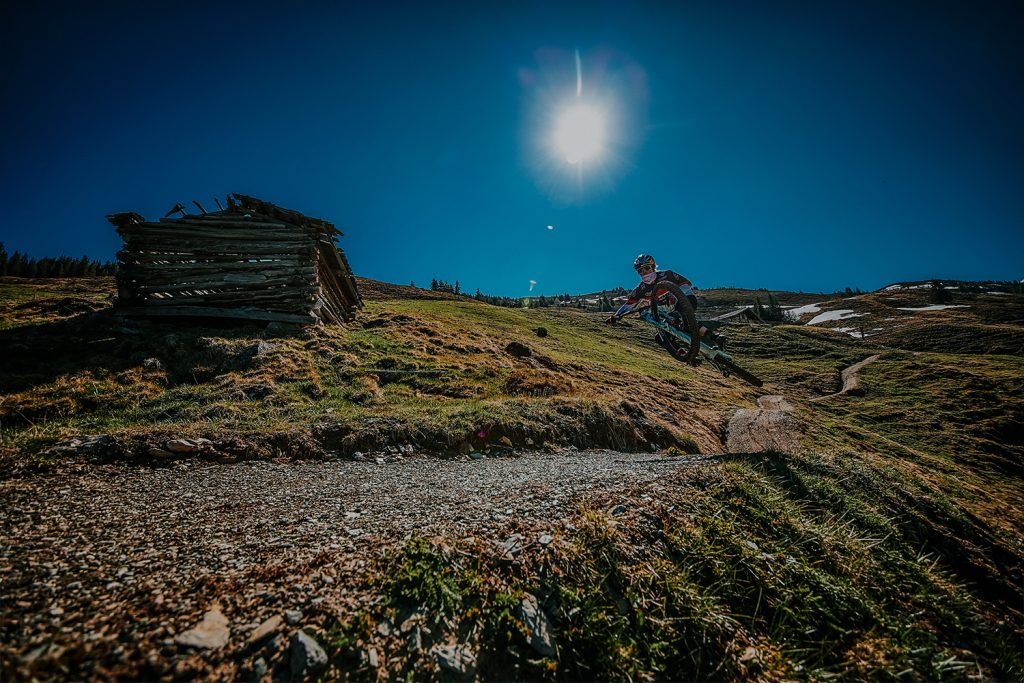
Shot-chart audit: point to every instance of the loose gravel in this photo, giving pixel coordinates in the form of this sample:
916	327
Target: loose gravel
103	567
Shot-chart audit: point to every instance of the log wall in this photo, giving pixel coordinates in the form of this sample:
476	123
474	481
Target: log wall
252	260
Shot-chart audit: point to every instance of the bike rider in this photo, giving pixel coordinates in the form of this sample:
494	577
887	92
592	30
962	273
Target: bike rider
649	274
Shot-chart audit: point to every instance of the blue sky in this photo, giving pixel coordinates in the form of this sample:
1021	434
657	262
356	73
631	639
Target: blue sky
806	146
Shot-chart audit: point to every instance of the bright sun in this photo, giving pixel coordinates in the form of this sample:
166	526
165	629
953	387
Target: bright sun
579	133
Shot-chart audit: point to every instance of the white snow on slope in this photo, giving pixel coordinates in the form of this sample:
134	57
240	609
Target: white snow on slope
795	313
934	307
839	314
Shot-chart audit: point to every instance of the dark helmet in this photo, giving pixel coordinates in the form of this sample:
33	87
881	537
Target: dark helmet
643	260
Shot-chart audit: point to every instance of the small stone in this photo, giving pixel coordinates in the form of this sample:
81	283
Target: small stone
455	659
358	456
415	639
56	611
182	446
618	511
372	658
383	629
477	455
210	634
750	544
545	539
512	546
265	629
505	441
263	348
307	657
749	656
159	452
541	331
380	461
293	616
530	613
74	585
259	669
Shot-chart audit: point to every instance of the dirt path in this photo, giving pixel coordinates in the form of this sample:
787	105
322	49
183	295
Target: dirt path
108	565
850	382
770	427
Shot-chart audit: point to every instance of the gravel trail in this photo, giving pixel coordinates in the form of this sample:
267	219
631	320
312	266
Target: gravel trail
106	565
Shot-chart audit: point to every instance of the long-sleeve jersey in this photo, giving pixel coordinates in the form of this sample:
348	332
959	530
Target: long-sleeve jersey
643	291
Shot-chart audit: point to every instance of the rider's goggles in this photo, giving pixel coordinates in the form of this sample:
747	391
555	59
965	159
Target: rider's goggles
645	268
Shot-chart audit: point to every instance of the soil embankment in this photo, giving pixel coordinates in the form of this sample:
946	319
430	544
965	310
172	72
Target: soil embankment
769	427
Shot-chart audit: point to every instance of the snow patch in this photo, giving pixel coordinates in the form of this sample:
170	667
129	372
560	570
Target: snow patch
839	314
795	313
934	307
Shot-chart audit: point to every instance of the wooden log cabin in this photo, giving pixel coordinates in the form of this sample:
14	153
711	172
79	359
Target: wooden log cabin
251	260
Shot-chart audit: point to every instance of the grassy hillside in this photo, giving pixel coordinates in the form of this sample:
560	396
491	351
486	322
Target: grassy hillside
888	544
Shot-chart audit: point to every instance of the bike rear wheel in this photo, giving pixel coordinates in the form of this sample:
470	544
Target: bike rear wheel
739	372
684	308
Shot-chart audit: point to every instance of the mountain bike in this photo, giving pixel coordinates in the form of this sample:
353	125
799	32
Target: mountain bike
675	326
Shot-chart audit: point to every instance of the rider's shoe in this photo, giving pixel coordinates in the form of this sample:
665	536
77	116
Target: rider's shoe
718	340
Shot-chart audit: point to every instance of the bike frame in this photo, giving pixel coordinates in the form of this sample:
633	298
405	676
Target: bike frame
708	352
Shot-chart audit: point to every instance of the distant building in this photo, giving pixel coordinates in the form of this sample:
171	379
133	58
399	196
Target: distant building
251	260
745	314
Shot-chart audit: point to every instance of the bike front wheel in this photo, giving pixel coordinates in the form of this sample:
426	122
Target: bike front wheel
684	308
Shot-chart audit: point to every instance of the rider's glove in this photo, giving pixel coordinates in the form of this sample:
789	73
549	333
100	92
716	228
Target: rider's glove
610	320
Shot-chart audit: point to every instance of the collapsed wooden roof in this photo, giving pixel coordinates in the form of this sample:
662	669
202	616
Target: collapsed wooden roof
251	260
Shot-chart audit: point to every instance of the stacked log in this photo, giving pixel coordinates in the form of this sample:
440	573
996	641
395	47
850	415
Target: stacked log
252	260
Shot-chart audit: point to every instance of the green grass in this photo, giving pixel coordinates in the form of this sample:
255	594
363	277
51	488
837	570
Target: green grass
887	546
773	567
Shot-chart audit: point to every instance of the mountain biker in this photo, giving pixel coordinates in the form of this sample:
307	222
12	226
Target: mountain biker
649	274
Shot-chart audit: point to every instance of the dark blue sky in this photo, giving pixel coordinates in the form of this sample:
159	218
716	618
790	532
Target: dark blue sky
808	146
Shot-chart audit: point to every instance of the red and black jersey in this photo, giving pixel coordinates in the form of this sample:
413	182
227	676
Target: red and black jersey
643	291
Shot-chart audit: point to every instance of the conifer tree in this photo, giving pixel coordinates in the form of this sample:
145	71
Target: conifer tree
758	308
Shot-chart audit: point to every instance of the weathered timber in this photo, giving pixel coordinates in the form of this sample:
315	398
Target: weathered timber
253	260
247	313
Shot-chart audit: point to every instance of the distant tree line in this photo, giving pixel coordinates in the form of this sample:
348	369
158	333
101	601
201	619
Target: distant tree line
23	265
542	301
443	286
437	285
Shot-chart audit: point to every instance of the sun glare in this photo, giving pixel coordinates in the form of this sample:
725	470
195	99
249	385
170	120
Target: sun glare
579	133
